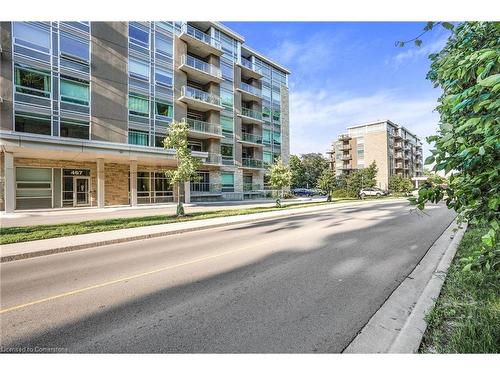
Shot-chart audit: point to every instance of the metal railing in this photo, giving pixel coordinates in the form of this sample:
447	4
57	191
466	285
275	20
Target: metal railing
252	138
251	113
345	157
398	145
200	188
200	95
251	187
201	65
201	36
252	163
248	64
344	137
398	155
213	158
251	89
203	127
399	165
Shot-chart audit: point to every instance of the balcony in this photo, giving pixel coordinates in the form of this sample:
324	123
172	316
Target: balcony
249	92
252	163
253	139
399	166
200	100
226	160
344	147
345	157
200	43
249	70
199	70
398	155
344	137
205	188
213	159
251	187
250	116
202	129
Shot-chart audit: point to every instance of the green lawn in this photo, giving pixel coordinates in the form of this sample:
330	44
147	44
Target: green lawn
466	318
40	232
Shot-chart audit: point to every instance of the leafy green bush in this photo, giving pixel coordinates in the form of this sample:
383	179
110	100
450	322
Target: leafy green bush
400	184
468	142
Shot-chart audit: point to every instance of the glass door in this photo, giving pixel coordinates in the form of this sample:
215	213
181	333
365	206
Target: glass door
81	185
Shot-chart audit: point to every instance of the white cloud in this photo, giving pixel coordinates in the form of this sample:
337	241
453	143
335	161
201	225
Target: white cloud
411	53
317	117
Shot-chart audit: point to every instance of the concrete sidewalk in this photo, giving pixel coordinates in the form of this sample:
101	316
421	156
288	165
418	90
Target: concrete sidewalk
31	249
74	215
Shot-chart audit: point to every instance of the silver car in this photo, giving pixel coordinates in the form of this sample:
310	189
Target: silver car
371	192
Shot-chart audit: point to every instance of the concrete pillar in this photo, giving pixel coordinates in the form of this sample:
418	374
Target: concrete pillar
10	182
187	192
100	183
133	183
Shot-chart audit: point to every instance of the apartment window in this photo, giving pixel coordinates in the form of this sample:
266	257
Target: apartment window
163	77
138	68
163	44
74	47
74	129
37	124
267	157
266	92
266	113
164	109
73	91
277	138
32	36
227	152
227	70
360	148
31	81
136	137
226	124
276	116
195	146
266	136
159	141
33	187
227	181
138	105
226	99
138	36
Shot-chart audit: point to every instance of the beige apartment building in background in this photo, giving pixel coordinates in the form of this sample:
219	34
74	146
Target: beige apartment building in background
395	149
85	106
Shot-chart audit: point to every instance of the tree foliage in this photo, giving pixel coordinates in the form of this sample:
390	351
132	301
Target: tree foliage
187	165
327	182
362	178
314	165
298	172
400	184
280	177
467	145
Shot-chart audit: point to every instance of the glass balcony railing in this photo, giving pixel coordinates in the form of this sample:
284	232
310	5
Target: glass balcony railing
248	64
201	36
252	163
203	127
203	96
200	188
251	113
251	89
201	65
213	158
227	160
253	138
251	187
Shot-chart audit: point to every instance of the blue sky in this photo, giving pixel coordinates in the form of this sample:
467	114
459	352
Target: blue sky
346	73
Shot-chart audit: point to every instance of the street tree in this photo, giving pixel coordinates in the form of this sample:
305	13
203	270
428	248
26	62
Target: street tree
187	164
467	145
327	182
400	184
280	178
361	178
314	165
298	172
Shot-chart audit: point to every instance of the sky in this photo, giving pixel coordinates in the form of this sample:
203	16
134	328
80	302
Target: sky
347	73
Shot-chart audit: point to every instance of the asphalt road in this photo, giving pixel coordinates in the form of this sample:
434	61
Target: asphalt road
301	284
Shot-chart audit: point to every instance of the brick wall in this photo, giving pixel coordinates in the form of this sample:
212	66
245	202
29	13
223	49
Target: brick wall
116	184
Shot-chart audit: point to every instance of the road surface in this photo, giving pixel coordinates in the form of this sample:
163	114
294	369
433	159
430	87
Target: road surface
302	284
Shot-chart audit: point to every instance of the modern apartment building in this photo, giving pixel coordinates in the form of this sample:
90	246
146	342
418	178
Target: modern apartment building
85	106
394	148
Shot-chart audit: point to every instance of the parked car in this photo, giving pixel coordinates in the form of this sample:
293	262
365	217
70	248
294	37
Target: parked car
372	192
302	192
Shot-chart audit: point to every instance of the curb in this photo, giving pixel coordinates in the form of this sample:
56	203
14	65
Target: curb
399	323
410	337
164	233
